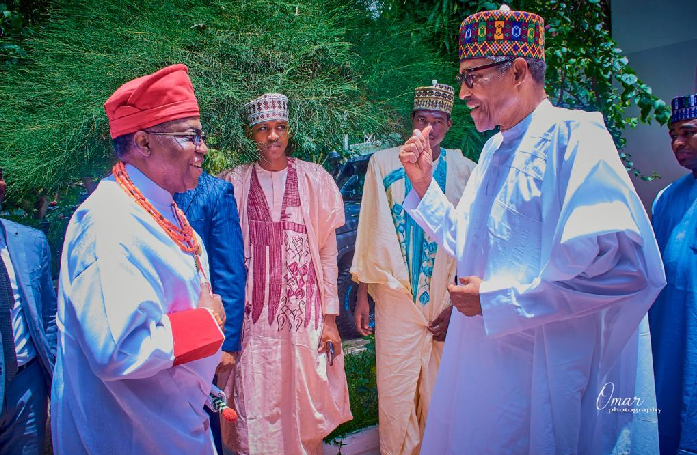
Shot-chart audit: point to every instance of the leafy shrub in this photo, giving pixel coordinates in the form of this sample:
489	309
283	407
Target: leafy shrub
585	67
325	55
363	392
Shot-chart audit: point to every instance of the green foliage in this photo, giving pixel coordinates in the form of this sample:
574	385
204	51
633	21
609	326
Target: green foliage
363	392
16	17
589	71
11	31
345	71
397	55
336	64
586	68
57	128
56	221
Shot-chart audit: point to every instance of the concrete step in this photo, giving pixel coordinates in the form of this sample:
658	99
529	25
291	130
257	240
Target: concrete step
362	442
354	346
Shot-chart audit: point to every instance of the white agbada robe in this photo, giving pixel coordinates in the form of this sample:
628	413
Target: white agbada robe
115	389
551	223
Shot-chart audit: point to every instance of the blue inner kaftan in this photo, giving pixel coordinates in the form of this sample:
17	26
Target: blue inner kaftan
673	317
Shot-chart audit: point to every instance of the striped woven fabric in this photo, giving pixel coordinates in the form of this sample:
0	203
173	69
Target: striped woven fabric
436	97
502	33
683	108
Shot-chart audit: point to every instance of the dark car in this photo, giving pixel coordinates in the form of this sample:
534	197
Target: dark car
349	178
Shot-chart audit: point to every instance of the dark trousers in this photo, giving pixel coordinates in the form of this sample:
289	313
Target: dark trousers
215	426
24	413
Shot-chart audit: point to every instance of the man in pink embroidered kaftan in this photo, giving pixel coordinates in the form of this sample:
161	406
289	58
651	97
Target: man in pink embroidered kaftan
286	392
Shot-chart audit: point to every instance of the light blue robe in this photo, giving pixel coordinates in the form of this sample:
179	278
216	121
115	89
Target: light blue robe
115	389
550	222
673	318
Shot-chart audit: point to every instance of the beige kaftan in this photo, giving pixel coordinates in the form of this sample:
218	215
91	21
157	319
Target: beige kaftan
407	356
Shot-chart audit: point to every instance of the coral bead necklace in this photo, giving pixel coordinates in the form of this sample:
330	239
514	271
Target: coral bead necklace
183	236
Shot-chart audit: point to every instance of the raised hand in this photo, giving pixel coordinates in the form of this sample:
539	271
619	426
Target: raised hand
417	159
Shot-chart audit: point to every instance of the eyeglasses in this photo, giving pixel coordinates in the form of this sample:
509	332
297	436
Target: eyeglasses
196	137
468	78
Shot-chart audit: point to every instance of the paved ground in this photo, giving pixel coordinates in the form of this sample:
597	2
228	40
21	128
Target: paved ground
355	345
363	442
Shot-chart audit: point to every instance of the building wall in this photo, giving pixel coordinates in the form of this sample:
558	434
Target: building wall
660	39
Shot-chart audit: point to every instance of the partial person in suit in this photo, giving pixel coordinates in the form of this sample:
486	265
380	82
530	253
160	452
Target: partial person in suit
212	212
28	341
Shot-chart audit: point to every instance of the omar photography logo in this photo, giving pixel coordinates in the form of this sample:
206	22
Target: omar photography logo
607	401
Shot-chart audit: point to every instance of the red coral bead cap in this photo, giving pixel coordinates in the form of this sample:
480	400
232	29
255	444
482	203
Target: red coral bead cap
150	100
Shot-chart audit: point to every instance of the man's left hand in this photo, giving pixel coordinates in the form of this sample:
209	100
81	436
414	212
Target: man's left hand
465	297
227	361
439	326
330	333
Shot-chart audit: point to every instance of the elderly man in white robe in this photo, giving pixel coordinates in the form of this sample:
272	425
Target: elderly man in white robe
139	329
549	351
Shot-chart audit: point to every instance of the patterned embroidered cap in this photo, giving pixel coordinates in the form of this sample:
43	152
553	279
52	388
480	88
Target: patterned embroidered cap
684	108
436	97
502	33
269	106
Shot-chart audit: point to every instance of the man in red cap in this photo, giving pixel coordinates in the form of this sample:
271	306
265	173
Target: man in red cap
139	329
